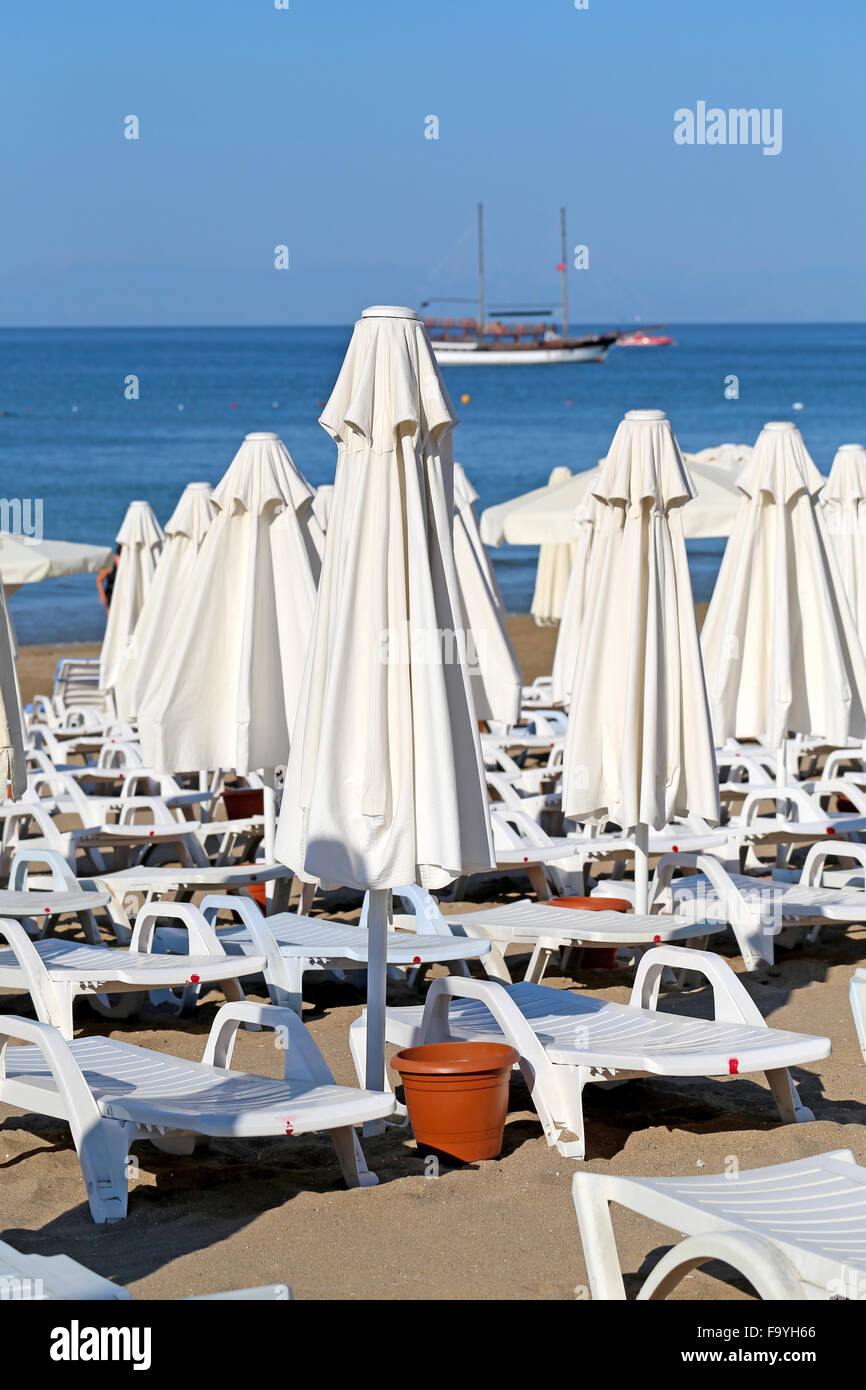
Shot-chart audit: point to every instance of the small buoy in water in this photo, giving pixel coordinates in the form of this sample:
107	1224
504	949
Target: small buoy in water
234	405
274	405
798	405
180	407
569	402
464	399
321	403
75	410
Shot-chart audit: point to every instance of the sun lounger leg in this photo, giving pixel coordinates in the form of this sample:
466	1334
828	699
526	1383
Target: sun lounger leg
597	1238
358	1049
91	930
539	961
786	1097
287	992
351	1158
496	966
176	1143
857	998
102	1152
538	878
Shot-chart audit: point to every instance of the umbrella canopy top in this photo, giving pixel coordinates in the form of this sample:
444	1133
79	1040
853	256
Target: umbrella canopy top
140	527
193	514
26	561
846	484
644	465
262	475
780	466
389	380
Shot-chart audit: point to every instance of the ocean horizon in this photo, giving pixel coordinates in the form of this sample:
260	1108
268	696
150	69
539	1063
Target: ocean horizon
91	418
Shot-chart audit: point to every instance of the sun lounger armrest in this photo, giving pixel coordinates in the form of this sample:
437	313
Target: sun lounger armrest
735	908
36	977
81	1108
495	998
258	926
755	1257
428	914
62	877
789	796
201	937
731	1001
813	868
840	787
292	1038
832	763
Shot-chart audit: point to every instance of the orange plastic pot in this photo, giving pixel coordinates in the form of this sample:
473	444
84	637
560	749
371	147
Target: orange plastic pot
457	1096
243	802
596	957
258	892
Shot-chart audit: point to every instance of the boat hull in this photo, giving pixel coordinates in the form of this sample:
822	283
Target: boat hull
471	355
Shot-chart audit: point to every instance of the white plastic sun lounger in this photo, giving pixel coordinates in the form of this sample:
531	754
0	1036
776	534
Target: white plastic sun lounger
37	901
757	909
796	1231
126	885
803	821
565	1040
57	1278
113	1094
54	972
547	930
293	945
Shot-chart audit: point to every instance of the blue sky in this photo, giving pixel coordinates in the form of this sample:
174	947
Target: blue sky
305	127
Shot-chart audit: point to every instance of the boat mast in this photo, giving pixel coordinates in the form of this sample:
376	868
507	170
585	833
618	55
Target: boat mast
481	268
564	273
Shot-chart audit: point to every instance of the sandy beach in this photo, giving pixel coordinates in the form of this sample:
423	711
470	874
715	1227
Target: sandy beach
276	1211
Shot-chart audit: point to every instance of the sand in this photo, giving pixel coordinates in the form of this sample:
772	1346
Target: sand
275	1210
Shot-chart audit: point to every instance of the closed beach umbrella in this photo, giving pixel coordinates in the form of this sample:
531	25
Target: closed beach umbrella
843	503
140	538
224	692
554	567
781	649
385	783
185	530
497	681
639	746
574	607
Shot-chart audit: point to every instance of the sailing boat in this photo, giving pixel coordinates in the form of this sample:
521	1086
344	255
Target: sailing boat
475	342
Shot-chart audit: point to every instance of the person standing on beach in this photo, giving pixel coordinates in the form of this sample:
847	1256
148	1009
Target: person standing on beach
105	580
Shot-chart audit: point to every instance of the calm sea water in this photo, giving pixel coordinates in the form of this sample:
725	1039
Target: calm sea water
69	436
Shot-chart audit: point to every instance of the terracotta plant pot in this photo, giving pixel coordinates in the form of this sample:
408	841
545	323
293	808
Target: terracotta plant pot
243	802
457	1096
596	957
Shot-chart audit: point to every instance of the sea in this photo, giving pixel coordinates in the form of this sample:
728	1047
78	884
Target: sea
92	418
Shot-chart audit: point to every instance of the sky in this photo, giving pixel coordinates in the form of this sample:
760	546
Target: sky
305	127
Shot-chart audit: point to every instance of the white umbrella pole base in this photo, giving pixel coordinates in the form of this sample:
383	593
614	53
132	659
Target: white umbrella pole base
378	914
